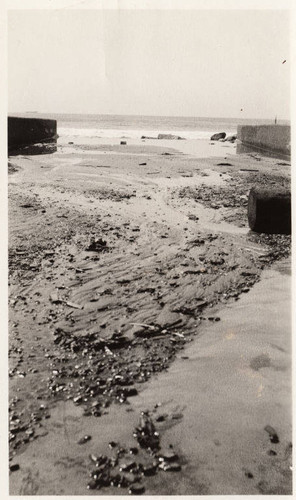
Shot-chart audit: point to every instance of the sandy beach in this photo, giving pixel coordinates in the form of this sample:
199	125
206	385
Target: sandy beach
125	261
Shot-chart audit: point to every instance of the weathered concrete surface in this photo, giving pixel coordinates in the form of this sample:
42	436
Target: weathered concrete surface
25	131
269	138
269	210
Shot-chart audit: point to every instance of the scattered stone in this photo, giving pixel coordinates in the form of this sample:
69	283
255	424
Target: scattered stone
150	469
112	444
217	261
84	439
128	466
73	305
168	456
231	138
136	489
121	452
272	434
78	345
162	418
14	467
170	466
272	453
218	136
129	392
97	245
146	434
92	485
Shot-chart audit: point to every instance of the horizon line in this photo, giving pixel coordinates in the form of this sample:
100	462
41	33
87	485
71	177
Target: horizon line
145	115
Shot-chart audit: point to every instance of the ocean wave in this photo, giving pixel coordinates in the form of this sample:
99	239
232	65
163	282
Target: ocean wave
133	134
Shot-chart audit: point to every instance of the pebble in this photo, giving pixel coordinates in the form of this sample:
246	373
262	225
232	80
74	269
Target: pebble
14	467
92	485
97	245
130	391
150	469
112	444
73	305
272	434
170	466
136	489
84	439
127	467
168	456
146	434
133	450
162	418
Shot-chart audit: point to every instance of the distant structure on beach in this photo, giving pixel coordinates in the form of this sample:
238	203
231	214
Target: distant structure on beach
271	139
27	131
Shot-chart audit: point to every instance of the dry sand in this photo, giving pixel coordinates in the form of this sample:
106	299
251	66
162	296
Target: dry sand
119	257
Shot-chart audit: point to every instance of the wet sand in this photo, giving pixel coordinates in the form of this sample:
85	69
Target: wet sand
225	389
119	258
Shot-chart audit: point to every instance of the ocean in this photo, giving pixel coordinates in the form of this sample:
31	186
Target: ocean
134	127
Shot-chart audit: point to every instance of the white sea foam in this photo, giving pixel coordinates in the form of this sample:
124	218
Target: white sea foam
134	134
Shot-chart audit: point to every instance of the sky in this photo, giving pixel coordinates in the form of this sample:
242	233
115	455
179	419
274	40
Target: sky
216	63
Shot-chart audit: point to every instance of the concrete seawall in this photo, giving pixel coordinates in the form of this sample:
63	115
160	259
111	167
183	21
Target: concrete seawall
26	131
274	139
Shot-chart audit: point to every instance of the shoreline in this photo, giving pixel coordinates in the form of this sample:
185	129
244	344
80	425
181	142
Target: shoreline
200	148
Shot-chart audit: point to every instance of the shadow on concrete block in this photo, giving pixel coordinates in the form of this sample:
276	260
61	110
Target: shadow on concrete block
269	210
31	136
